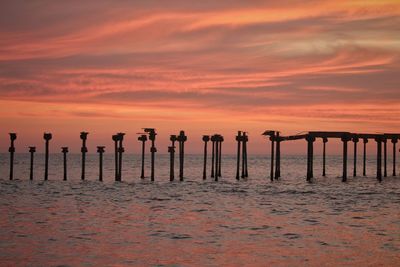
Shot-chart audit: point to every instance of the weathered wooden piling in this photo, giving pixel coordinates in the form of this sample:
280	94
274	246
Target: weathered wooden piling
278	157
47	137
310	156
384	141
365	141
243	175
221	139
171	151
32	151
216	157
64	150
345	139
239	141
115	138
245	140
84	150
13	137
206	139
121	150
324	141
355	140
143	139
182	138
379	158
100	150
394	142
213	155
152	137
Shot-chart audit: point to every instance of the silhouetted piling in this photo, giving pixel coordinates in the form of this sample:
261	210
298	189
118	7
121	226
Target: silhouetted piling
115	138
324	141
32	151
365	141
221	139
171	150
384	140
47	137
212	155
64	150
182	138
310	156
216	157
245	140
100	150
121	150
13	137
143	139
355	141
272	138
278	157
345	139
394	142
206	139
153	149
239	141
379	159
84	150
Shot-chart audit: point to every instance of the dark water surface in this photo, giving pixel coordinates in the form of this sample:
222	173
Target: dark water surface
195	222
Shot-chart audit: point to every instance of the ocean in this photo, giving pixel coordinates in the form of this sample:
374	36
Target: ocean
252	222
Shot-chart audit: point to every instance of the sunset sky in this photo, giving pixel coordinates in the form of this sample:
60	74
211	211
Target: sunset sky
201	66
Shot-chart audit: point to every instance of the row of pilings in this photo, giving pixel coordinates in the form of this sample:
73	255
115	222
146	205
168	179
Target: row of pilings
345	137
216	154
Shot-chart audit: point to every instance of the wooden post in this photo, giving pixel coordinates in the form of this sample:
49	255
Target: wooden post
47	137
216	157
384	140
206	138
115	138
100	150
394	141
182	138
13	137
212	155
84	150
245	140
238	140
64	150
365	141
272	138
345	139
278	157
32	150
171	150
152	137
221	139
379	159
143	139
355	141
310	157
120	151
324	141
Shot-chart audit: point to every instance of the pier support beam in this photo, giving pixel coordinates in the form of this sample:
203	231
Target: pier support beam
213	140
120	151
115	138
171	151
13	137
355	141
84	150
238	140
100	150
152	137
394	141
384	140
64	150
47	137
143	139
365	141
272	138
345	139
278	157
216	157
245	140
324	141
379	159
221	139
32	151
182	138
206	139
310	156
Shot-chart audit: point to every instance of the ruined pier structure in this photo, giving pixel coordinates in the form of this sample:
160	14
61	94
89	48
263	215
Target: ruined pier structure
345	137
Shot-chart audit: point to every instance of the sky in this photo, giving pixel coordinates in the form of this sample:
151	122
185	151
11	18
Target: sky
200	66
